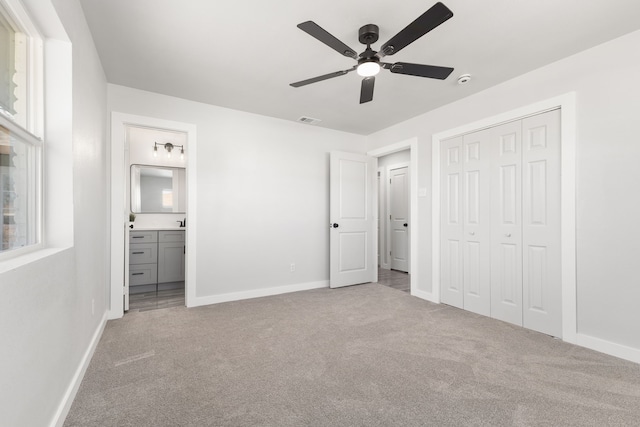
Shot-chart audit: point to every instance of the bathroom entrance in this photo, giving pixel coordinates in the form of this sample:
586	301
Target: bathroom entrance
155	241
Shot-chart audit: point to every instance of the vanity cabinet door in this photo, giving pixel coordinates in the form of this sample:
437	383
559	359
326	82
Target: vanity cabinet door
170	262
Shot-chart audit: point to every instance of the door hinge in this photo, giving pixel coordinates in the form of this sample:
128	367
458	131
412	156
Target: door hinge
389	180
389	217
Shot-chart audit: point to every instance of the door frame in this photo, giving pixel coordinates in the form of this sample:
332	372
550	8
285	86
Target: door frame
383	262
412	145
388	206
567	105
119	217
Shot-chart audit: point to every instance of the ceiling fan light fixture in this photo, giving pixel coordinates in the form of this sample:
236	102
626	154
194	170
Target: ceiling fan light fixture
368	69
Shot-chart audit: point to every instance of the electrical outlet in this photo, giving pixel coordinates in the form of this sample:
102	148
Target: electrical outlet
293	267
93	306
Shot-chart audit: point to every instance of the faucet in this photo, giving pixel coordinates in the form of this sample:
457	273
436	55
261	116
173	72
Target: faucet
183	223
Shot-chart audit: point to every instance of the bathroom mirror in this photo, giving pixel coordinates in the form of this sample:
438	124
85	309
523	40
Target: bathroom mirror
156	189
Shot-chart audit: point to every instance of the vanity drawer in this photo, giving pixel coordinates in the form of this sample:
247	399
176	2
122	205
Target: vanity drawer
171	236
143	236
143	253
143	274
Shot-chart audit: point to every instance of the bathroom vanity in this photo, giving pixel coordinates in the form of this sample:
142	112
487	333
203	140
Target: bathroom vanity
156	259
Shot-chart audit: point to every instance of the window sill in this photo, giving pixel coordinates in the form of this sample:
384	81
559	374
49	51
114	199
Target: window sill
28	258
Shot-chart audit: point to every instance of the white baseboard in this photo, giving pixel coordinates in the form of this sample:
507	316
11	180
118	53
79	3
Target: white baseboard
608	347
582	340
70	394
423	295
257	293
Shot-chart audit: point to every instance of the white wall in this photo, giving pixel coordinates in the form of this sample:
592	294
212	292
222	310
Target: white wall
262	198
46	317
608	102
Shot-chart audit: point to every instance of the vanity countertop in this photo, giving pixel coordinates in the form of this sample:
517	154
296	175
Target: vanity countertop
145	228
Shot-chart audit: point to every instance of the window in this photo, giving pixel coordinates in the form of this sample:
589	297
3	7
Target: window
20	113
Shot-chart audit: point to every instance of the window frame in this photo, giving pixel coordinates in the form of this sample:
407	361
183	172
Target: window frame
30	130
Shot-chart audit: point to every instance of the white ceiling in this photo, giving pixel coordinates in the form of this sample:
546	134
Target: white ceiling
244	54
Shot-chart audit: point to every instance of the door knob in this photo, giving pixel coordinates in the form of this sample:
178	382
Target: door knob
508	234
405	225
335	225
473	233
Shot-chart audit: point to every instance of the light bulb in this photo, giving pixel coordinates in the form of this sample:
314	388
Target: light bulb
182	153
368	69
155	151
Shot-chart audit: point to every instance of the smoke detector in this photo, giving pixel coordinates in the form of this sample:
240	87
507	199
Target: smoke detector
309	120
465	78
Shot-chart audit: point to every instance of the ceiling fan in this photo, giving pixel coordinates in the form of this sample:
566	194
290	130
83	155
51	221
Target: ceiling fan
369	63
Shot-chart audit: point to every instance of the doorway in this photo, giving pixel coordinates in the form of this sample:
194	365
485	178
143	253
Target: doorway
394	211
120	208
397	161
156	201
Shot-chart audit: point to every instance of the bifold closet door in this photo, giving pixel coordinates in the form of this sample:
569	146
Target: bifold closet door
451	227
506	222
542	294
465	230
476	242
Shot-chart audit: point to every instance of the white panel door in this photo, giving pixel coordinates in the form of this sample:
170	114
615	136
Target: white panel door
542	296
451	226
399	218
506	222
352	224
476	190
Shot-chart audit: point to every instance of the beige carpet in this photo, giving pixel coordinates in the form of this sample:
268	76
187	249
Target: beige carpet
365	355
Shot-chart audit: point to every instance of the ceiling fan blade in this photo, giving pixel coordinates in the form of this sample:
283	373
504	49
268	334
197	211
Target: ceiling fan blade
321	34
321	78
430	71
366	92
426	22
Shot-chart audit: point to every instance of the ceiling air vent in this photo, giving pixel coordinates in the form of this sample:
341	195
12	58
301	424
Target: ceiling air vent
309	120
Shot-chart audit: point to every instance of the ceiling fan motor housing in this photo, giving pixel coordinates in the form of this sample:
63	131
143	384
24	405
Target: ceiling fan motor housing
368	34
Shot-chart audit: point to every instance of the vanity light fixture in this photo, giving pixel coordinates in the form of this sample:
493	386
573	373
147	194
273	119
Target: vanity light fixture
169	147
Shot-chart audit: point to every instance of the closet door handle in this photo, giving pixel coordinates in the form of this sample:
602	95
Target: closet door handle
473	233
137	253
136	274
508	235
